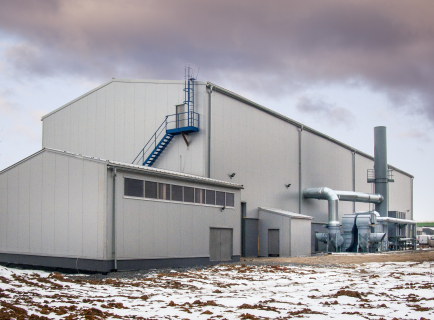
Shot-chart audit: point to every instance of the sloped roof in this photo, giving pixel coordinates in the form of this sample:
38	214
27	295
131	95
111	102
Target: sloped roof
281	212
133	167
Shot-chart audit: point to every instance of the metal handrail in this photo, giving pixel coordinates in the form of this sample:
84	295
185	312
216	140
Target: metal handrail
149	143
192	120
371	174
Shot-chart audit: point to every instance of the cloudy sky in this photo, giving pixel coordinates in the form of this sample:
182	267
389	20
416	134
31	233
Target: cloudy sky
341	67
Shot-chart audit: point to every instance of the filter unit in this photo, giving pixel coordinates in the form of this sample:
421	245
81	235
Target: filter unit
360	232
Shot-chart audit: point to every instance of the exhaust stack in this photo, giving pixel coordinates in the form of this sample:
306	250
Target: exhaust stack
381	172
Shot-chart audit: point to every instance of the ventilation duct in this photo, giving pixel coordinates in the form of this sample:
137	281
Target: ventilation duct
332	196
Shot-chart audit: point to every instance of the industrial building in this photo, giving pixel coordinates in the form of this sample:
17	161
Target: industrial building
145	173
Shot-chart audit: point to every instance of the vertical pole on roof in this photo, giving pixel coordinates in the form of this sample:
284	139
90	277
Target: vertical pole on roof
209	131
300	186
114	222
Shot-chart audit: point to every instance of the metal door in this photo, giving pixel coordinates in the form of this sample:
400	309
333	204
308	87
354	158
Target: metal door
273	242
225	244
220	244
180	116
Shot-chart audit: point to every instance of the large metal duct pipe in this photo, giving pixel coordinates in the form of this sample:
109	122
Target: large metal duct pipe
380	167
333	197
359	197
329	195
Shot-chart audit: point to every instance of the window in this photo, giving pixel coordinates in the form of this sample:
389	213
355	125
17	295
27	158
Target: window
188	194
176	193
210	197
230	201
199	196
220	198
164	191
133	187
150	189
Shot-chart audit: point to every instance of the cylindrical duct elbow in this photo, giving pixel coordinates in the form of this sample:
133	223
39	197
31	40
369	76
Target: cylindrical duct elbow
325	194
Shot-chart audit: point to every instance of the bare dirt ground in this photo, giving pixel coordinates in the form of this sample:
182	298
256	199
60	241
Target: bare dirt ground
349	258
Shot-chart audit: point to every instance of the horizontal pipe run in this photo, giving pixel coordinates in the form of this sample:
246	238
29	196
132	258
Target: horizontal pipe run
333	198
359	197
396	220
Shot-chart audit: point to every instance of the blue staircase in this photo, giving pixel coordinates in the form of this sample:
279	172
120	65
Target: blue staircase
158	149
175	124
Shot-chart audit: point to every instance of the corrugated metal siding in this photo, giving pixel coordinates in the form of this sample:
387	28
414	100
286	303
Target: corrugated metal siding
362	166
53	204
268	221
115	122
325	164
400	193
149	229
262	150
300	237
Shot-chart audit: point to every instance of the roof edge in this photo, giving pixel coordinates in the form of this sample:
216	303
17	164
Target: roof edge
131	167
296	123
288	214
117	80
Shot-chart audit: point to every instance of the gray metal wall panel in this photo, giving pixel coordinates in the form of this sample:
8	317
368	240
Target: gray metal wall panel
35	210
100	124
117	120
66	130
13	202
91	122
362	166
148	229
4	210
74	127
81	122
262	150
109	125
325	164
400	193
300	237
48	199
47	207
268	221
61	205
58	124
23	223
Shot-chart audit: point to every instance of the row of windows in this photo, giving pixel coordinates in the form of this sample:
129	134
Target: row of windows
164	191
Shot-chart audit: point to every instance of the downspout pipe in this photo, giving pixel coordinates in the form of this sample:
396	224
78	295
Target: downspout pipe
114	221
209	131
300	183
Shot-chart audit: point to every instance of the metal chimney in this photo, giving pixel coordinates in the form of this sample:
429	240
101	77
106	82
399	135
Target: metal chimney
381	172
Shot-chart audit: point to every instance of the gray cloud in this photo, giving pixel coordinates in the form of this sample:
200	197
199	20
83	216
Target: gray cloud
273	47
321	110
415	134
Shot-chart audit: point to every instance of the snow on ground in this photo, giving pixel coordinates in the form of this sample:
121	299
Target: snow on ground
402	290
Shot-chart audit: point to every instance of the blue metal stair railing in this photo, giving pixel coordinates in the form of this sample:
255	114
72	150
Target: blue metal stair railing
167	130
151	144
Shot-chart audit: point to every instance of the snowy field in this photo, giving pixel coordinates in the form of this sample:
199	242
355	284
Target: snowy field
392	290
